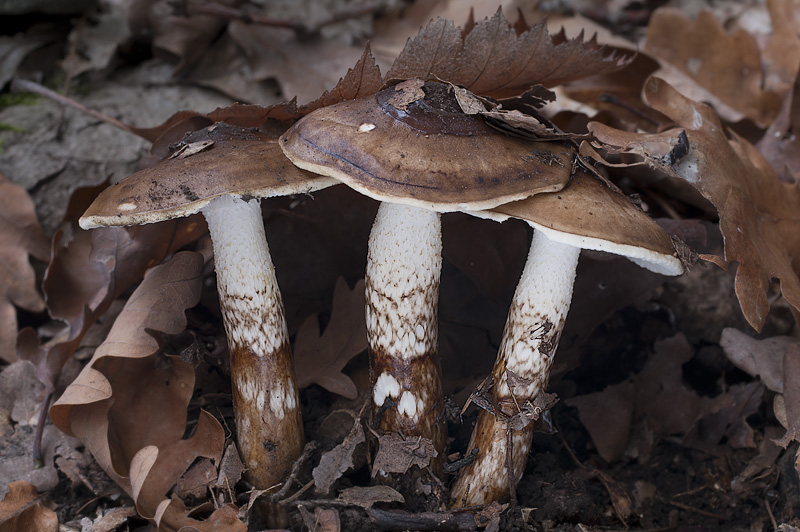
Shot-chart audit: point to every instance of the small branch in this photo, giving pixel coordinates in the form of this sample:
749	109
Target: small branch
307	450
23	85
455	465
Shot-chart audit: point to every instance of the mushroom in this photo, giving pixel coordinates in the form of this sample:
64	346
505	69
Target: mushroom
221	171
584	215
412	148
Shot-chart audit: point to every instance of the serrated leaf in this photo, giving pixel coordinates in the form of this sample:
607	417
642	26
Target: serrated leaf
493	60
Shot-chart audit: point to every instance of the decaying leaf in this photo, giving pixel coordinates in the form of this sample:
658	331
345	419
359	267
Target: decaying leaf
322	520
657	393
131	412
494	59
22	510
759	215
338	460
728	65
780	144
366	496
791	395
397	454
87	274
20	236
759	358
320	358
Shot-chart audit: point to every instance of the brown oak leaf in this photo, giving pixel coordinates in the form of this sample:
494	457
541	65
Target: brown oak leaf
130	411
320	358
20	236
728	65
759	216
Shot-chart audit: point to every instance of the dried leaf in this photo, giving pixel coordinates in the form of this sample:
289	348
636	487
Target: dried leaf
726	64
230	469
492	60
196	480
322	520
304	69
131	413
397	454
22	511
791	395
21	236
366	496
657	393
780	144
336	462
320	358
88	273
759	358
759	215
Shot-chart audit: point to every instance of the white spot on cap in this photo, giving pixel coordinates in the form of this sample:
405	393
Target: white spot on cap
366	126
127	206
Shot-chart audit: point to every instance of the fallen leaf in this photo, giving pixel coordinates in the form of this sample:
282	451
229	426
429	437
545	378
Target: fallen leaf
22	511
322	520
607	415
780	145
336	462
657	394
759	215
397	454
15	48
88	273
759	358
93	41
21	236
113	519
130	412
366	496
320	358
230	469
728	65
196	480
493	59
304	69
791	395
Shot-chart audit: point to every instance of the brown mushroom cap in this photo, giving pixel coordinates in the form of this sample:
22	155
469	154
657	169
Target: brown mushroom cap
425	152
220	159
589	215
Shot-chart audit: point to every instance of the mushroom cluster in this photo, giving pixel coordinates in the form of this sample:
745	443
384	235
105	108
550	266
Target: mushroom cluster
412	148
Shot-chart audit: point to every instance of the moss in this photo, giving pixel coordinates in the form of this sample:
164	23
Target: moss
8	99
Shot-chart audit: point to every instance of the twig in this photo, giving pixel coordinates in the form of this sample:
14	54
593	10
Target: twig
307	450
298	493
771	517
695	510
24	85
455	465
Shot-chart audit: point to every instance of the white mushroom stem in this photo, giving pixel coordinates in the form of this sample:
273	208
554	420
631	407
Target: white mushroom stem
402	292
529	342
265	399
